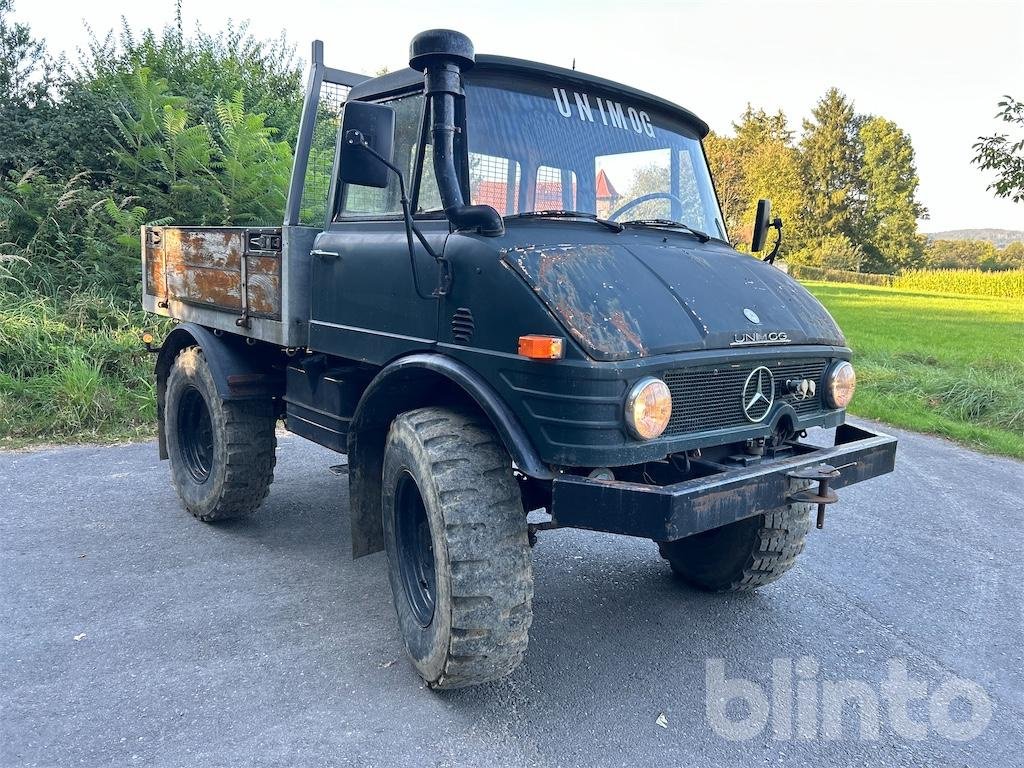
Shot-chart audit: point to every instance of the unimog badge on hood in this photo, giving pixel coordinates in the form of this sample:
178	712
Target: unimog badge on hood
757	337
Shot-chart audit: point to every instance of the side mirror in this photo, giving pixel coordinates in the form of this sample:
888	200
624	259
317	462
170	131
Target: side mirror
375	126
762	222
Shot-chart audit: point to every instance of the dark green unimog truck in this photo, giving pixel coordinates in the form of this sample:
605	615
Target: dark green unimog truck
503	287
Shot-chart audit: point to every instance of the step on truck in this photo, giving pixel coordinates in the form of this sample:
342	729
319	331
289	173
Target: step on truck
502	288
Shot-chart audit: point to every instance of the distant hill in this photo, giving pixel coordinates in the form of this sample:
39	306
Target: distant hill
1000	238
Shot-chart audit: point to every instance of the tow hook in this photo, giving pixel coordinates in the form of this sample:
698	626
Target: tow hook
823	474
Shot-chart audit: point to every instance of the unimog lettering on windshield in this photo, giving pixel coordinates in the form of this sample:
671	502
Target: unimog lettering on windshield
610	112
492	316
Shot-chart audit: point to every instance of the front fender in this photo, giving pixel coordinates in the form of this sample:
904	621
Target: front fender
410	382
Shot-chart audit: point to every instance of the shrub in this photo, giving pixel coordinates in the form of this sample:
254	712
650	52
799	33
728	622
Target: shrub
802	272
831	252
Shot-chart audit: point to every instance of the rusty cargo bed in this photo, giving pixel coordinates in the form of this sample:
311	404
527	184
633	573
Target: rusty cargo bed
252	281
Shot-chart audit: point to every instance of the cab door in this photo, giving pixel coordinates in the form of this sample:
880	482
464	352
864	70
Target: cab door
371	301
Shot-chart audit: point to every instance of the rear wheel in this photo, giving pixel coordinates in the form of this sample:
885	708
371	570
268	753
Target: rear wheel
222	452
744	555
458	555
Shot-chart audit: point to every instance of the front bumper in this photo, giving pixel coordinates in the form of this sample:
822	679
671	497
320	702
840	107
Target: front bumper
670	512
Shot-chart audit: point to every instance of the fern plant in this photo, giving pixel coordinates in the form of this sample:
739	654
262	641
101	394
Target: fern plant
254	170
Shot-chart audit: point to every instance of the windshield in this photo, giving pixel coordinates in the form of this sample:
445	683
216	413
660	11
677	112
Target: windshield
537	146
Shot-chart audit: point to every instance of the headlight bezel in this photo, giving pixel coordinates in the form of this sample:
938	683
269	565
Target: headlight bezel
833	378
634	395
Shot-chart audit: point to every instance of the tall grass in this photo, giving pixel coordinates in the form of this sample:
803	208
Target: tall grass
72	366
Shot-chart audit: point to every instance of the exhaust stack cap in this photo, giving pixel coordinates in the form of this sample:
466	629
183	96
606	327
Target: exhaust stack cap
436	46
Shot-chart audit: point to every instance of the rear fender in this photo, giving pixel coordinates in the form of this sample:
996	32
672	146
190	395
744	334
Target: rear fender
241	371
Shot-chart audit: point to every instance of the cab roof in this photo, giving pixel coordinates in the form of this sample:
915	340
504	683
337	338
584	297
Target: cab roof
406	79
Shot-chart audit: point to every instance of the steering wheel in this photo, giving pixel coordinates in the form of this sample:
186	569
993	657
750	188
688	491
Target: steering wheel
643	199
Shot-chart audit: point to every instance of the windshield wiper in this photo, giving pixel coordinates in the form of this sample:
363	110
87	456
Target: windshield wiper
702	236
614	226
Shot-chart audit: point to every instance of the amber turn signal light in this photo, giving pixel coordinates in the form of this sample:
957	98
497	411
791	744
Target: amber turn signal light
540	347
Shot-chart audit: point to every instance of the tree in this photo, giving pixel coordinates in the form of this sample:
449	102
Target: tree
1010	257
891	210
727	171
771	169
1000	153
152	128
25	81
829	165
958	254
759	161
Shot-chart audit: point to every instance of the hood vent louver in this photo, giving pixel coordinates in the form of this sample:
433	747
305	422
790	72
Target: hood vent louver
462	326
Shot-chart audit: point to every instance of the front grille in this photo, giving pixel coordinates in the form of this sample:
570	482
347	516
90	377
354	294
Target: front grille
710	398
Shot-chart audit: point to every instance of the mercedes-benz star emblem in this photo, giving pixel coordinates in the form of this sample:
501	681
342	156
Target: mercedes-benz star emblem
758	393
751	315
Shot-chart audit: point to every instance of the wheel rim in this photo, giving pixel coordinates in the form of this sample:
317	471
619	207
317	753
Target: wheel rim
415	550
195	434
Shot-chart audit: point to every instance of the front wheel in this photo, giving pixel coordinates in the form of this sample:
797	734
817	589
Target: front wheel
457	549
744	555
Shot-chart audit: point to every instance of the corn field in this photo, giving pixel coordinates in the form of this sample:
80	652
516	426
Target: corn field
970	282
967	282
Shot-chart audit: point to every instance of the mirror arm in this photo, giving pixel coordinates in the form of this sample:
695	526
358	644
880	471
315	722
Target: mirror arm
777	226
356	138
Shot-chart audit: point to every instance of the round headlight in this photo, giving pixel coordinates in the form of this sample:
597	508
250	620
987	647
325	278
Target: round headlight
842	381
648	408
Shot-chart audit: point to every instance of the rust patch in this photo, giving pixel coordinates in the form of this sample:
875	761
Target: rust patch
199	285
577	283
264	285
217	248
204	267
623	326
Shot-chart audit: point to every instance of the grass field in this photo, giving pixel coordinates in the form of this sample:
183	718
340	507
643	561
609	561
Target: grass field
73	369
949	365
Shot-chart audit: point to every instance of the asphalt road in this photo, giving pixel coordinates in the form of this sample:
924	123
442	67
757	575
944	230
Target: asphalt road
132	634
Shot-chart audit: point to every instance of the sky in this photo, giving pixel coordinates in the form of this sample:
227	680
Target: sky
935	68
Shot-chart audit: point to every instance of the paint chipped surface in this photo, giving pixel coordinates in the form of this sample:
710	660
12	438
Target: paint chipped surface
579	284
633	300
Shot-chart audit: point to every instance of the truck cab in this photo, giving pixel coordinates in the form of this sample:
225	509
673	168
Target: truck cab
502	287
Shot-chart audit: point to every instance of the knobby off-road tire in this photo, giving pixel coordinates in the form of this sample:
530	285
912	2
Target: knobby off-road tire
744	555
222	451
457	549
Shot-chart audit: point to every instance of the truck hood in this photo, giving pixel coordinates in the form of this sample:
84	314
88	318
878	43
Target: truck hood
651	295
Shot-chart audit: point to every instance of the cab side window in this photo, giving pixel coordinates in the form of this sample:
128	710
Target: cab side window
359	201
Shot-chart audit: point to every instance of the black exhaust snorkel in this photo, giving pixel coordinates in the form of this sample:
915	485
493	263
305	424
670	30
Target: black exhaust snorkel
442	55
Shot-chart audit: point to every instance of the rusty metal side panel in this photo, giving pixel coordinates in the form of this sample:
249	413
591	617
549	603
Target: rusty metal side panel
276	270
203	266
264	276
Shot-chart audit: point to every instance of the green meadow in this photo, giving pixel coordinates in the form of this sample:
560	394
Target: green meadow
951	365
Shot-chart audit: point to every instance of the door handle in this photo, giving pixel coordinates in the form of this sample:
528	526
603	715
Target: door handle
324	254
